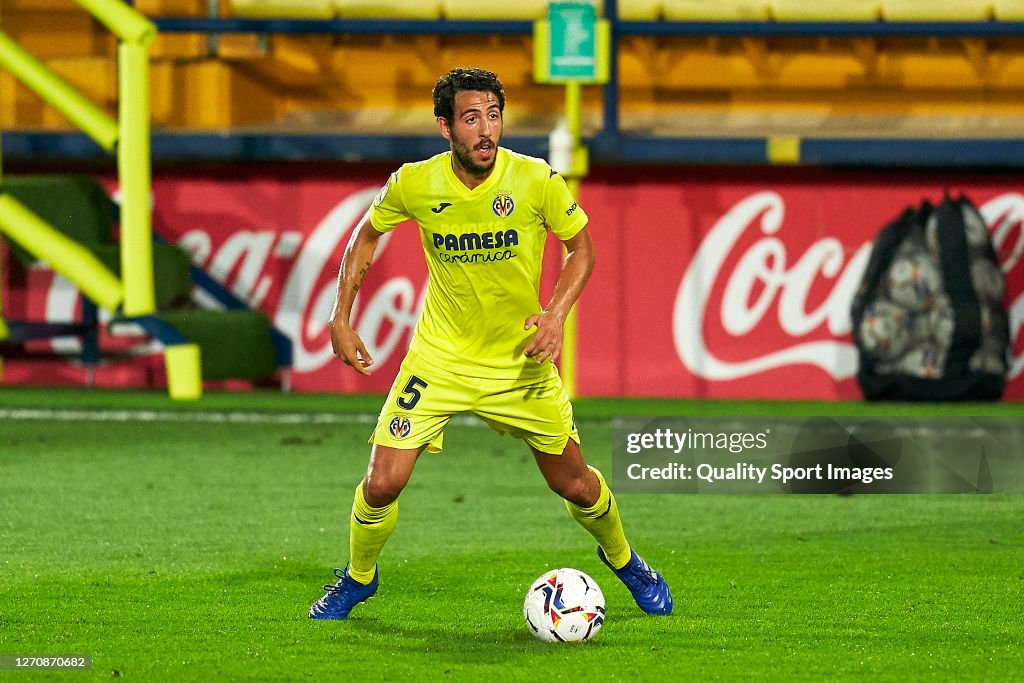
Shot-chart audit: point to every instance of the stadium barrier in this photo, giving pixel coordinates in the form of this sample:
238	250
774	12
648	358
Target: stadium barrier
640	10
128	137
785	149
70	219
720	283
66	223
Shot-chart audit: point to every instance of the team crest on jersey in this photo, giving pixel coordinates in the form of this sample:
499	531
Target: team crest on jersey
503	205
400	426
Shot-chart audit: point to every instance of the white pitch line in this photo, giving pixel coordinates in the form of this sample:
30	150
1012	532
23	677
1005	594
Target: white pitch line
226	417
238	417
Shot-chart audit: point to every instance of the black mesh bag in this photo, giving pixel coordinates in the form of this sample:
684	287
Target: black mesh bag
929	318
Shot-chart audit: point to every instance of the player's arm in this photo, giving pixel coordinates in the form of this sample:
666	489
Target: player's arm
576	269
354	264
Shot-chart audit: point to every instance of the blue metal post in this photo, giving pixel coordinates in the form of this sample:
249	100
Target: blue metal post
609	134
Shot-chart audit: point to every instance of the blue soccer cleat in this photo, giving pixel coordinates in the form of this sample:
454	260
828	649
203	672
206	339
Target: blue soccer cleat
343	596
647	586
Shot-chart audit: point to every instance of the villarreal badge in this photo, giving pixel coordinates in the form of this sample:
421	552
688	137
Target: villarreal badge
503	205
400	426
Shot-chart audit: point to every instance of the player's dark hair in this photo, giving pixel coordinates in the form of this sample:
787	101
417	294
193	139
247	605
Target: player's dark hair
464	79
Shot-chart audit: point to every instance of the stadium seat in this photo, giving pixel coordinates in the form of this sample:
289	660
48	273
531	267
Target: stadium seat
702	10
640	10
826	10
936	10
1008	10
172	8
295	9
40	5
474	9
388	9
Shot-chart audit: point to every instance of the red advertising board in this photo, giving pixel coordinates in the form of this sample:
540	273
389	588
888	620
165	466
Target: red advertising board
709	283
738	283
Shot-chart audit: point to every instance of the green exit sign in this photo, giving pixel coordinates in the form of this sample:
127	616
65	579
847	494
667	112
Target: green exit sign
572	45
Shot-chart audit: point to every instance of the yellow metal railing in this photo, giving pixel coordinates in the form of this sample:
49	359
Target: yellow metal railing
128	137
18	222
133	161
579	170
64	255
85	115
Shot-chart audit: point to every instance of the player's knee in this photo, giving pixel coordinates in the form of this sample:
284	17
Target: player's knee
381	490
576	490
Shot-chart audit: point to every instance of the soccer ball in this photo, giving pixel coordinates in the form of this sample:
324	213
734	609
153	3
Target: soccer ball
942	321
977	231
990	357
926	360
884	330
987	279
987	362
564	605
914	281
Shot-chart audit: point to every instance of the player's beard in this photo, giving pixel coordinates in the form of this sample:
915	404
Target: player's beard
464	156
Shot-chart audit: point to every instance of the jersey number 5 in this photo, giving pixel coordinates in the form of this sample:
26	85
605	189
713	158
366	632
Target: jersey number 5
411	393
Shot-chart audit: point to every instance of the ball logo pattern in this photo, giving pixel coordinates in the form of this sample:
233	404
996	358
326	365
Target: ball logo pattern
564	605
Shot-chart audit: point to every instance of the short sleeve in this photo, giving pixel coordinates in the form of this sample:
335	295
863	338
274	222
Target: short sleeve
388	208
562	213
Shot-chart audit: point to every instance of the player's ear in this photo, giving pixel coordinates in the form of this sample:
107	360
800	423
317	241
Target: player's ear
442	125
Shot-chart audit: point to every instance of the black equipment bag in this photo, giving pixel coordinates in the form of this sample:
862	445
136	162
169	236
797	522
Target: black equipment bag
929	318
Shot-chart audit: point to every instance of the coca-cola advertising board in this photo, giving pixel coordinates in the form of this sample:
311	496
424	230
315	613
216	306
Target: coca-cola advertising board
731	283
739	283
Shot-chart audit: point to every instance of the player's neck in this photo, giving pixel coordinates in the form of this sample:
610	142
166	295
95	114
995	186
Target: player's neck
467	177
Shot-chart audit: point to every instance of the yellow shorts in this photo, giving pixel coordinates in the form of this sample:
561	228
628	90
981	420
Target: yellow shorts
424	398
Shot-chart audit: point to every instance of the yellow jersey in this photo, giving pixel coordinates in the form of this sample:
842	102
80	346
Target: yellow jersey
483	249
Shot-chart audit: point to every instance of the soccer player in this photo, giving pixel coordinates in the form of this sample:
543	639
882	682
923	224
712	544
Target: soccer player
483	343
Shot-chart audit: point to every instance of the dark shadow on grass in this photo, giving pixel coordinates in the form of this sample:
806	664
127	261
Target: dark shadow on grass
460	627
488	646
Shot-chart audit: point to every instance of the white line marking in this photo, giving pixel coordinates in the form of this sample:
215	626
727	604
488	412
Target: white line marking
227	417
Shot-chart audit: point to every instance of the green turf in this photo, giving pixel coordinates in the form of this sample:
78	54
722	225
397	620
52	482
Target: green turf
272	400
191	551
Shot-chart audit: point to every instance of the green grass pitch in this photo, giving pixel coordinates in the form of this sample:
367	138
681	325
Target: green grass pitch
185	549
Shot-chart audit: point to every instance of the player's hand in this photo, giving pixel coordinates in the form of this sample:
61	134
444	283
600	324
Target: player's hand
547	341
350	348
